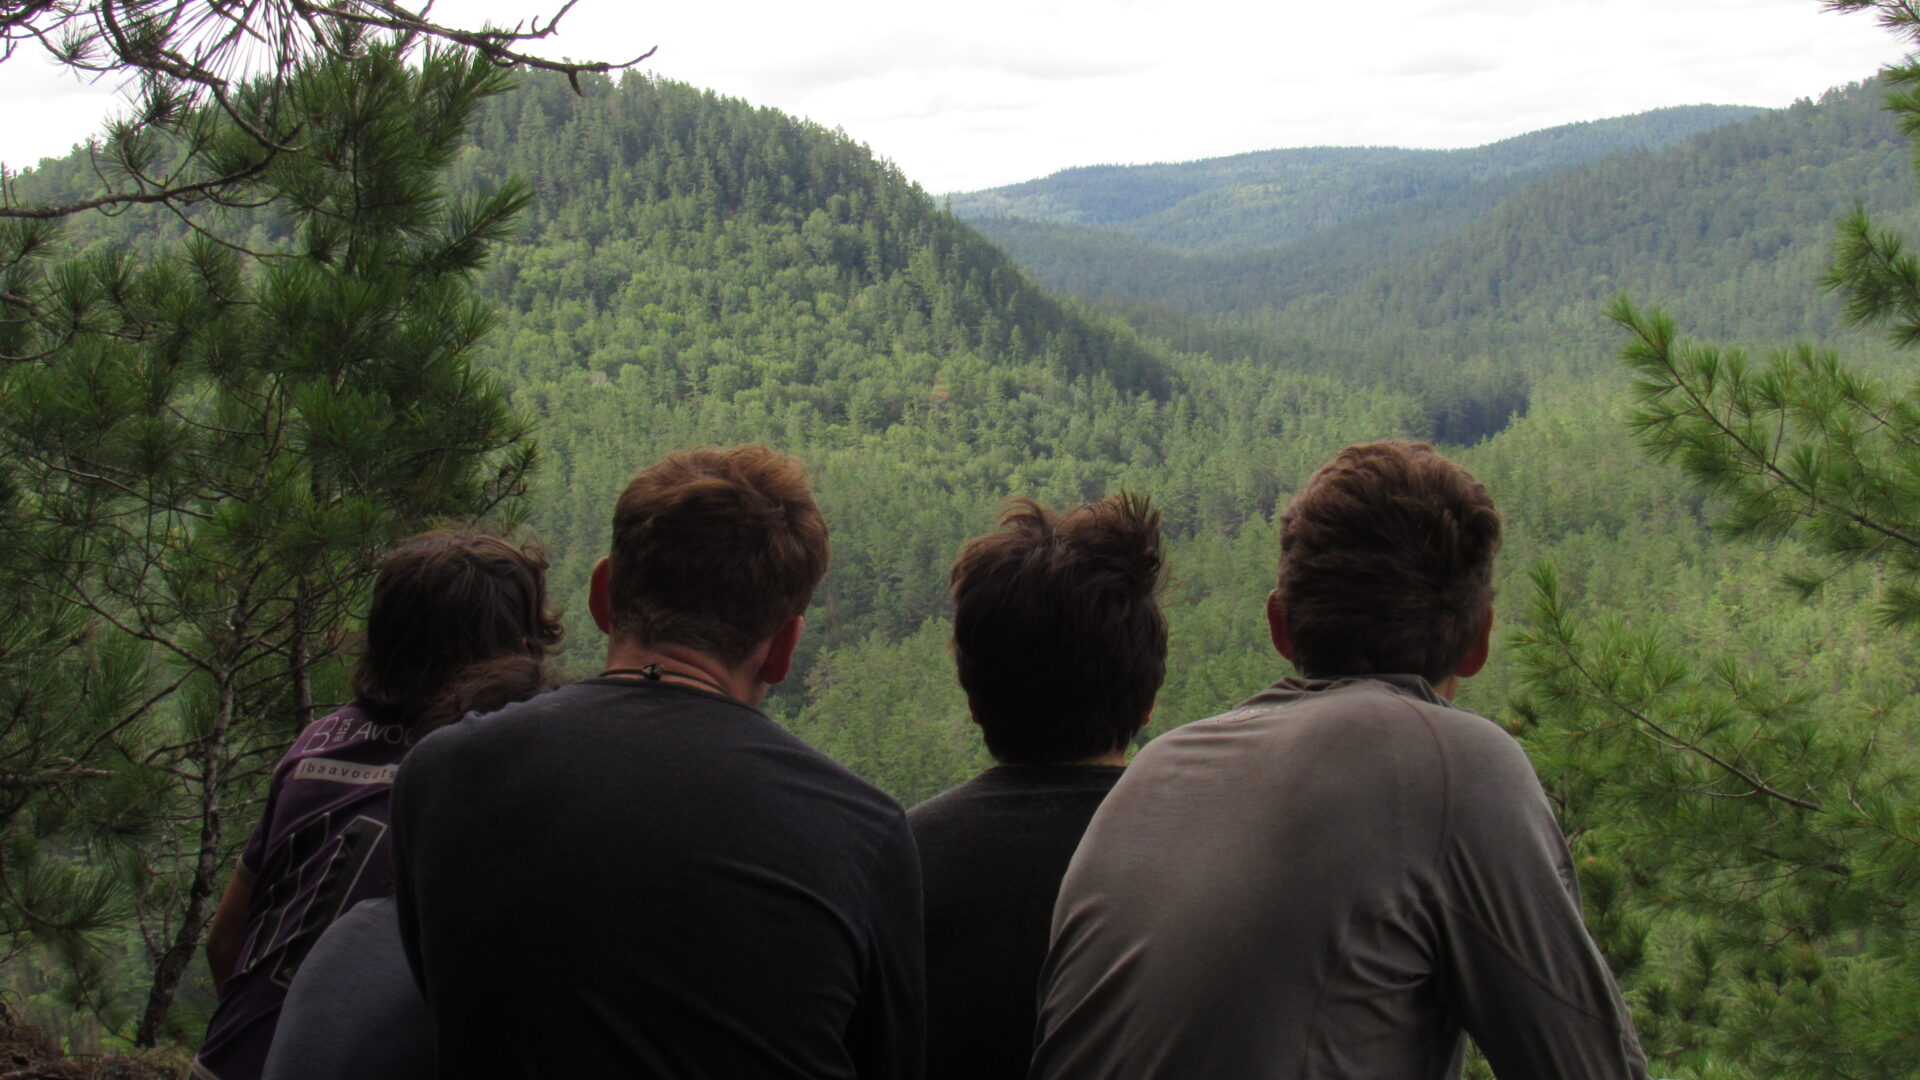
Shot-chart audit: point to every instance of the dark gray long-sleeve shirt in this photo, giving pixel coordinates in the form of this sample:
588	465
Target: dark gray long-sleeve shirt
353	1012
632	878
1331	881
991	855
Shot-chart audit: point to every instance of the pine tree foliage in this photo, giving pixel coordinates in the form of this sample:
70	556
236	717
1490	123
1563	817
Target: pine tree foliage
65	692
1751	843
1802	443
208	117
207	452
698	270
1748	847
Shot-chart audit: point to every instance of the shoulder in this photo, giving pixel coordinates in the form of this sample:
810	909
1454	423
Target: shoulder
1495	802
495	732
808	784
1368	737
953	801
1488	794
460	749
370	928
348	724
811	772
858	798
1476	759
1477	749
1321	717
953	816
1395	709
824	806
350	739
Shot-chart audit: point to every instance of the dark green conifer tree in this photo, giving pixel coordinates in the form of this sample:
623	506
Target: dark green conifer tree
1750	848
192	136
205	454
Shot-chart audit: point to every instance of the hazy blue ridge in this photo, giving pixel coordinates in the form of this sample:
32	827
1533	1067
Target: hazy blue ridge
1273	196
1728	225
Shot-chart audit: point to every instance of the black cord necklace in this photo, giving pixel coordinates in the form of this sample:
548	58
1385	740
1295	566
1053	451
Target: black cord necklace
654	673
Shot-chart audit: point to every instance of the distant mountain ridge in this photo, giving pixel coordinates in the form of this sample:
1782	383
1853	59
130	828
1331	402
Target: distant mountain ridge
1272	197
1733	227
1465	295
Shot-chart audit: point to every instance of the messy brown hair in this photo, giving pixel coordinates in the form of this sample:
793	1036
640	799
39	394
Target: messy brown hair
1057	630
714	548
458	621
1386	563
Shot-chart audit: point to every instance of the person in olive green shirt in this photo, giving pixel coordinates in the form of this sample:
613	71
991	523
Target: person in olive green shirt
1339	877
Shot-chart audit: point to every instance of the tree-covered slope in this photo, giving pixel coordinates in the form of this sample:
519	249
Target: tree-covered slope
699	270
695	269
655	193
1271	197
1097	261
1738	201
1464	297
1732	223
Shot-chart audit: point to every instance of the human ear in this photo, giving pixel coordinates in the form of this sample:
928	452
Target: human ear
780	649
597	596
1476	657
1277	626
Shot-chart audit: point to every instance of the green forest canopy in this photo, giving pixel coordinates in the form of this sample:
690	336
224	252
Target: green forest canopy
694	269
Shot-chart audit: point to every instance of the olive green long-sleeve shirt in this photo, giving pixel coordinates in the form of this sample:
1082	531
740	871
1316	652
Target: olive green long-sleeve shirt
1332	881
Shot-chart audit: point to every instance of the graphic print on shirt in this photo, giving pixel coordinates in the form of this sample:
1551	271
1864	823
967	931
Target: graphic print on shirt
338	875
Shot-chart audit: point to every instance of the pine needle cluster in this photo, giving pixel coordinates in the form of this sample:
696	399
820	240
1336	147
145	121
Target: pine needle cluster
1750	847
204	451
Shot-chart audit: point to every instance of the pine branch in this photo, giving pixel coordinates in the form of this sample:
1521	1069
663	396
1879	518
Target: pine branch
52	776
1655	351
1547	603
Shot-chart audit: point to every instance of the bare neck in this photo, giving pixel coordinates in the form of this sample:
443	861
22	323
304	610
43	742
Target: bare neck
1112	757
683	666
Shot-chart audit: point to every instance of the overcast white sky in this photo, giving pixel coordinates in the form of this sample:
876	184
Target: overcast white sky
1000	91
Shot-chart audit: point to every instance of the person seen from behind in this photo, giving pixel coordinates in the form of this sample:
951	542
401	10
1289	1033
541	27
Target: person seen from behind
1339	877
353	1011
641	874
457	621
1060	645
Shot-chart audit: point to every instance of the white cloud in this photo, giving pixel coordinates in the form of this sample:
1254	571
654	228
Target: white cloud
1448	64
1005	90
924	52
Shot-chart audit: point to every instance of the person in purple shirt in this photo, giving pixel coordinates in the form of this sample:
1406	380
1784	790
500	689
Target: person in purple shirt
458	621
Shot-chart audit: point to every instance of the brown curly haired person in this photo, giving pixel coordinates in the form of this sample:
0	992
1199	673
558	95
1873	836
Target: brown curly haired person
1344	874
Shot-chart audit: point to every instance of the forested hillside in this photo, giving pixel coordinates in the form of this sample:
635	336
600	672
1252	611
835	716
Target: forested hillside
697	270
1731	225
703	271
1464	296
846	320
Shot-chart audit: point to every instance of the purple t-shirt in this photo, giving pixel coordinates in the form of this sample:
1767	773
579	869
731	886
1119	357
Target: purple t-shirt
320	847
